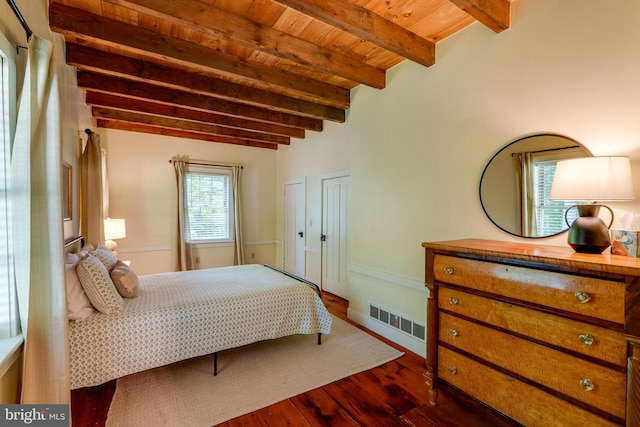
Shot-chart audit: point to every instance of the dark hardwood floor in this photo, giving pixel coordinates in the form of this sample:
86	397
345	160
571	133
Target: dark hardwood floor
393	394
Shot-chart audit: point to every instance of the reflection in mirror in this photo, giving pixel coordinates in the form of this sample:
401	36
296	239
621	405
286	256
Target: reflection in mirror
515	185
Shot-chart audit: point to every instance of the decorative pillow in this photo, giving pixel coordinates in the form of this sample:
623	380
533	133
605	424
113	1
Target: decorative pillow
98	286
125	279
88	247
78	305
105	255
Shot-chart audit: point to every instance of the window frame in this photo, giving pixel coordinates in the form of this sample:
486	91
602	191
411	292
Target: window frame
554	157
215	171
10	328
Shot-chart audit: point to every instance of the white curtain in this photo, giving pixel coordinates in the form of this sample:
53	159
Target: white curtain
37	226
528	225
185	250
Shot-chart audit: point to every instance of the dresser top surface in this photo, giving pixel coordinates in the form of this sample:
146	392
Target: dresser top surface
557	255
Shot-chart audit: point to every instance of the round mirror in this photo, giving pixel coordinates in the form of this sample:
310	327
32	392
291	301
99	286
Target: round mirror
515	185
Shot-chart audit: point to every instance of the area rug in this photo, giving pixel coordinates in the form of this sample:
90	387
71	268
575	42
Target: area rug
249	378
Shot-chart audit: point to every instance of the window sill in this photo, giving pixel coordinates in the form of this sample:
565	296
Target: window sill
10	349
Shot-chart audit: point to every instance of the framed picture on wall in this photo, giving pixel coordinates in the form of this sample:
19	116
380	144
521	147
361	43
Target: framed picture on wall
67	191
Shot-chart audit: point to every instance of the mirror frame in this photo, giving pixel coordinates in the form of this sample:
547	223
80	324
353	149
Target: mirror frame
506	148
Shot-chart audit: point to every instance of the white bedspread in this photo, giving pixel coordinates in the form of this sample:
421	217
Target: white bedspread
187	314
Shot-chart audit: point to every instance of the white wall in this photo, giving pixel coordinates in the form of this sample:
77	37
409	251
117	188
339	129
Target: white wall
142	190
416	149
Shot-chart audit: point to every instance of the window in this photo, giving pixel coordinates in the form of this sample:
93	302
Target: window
8	303
210	205
549	213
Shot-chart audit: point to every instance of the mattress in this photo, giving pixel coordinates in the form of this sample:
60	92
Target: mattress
187	314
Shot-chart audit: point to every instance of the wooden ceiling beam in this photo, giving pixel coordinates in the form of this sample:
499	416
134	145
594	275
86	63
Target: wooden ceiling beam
495	14
135	127
88	59
146	91
130	104
171	123
363	23
203	17
87	26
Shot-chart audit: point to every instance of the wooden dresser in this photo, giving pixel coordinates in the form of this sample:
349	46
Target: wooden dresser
545	335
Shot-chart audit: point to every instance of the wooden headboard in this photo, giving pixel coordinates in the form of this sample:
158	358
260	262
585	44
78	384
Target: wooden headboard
73	245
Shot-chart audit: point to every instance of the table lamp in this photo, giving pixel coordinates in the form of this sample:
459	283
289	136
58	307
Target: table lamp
592	180
114	229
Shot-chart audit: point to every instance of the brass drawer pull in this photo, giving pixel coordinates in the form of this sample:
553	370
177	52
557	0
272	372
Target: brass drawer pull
448	270
586	384
587	339
453	370
453	301
453	332
582	297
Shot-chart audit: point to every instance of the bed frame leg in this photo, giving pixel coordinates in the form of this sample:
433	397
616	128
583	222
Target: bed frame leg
319	338
215	363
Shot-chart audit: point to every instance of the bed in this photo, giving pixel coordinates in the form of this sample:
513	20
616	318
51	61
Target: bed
180	315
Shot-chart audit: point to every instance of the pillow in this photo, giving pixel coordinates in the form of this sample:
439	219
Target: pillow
105	255
98	286
78	305
125	279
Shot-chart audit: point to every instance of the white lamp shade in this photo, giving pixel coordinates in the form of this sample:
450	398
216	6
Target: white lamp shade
594	179
114	229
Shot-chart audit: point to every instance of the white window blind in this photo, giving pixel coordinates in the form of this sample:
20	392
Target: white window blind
209	205
550	213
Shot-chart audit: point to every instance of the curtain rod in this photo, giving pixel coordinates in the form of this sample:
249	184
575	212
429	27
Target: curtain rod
16	11
552	149
209	164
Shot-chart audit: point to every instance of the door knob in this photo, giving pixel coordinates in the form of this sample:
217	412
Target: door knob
300	233
323	238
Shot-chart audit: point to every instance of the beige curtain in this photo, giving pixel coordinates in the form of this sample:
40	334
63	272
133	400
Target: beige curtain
105	182
92	191
185	250
235	184
528	224
37	226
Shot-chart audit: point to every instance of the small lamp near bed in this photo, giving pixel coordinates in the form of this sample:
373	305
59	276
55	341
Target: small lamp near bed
114	229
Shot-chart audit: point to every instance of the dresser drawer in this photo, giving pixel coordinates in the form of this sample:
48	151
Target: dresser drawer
598	298
522	402
543	365
600	343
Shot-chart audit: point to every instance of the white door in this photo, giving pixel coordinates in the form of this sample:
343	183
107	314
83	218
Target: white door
335	214
294	222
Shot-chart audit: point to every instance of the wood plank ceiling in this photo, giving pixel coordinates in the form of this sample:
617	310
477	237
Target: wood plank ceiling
249	72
